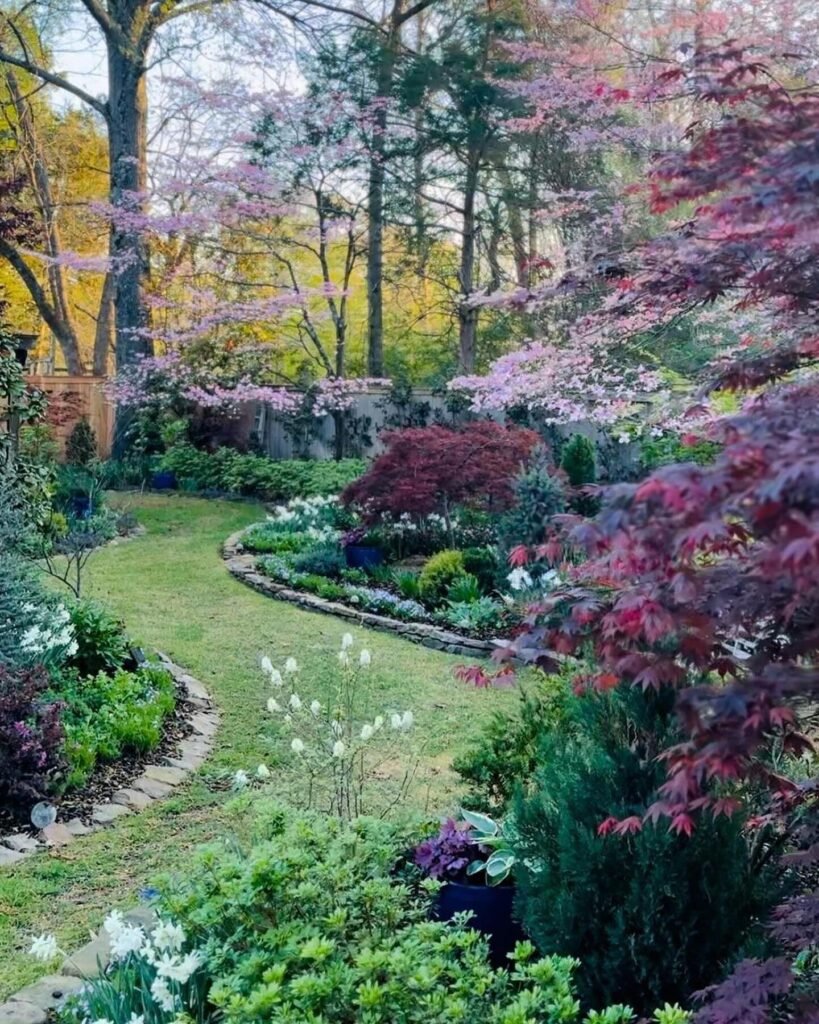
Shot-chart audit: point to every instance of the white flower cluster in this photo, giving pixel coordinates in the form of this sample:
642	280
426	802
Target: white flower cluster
161	949
342	737
519	579
308	514
50	634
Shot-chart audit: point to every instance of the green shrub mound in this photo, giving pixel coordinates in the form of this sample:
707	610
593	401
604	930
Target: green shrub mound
232	472
655	915
313	926
439	573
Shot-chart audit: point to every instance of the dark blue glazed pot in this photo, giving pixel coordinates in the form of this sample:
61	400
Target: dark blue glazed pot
491	907
361	556
164	480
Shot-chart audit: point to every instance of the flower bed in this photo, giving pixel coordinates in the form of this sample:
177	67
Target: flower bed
304	547
74	698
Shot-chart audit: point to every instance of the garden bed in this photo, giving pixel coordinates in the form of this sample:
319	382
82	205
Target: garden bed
243	567
130	783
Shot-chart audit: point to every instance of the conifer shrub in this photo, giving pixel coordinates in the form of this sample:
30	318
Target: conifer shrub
655	914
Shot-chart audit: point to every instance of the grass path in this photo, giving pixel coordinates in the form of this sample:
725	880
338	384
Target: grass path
172	590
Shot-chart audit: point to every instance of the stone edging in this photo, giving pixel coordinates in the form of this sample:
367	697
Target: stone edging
155	782
243	567
36	1003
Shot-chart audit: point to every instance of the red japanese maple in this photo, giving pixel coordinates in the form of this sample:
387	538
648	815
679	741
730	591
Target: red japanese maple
434	469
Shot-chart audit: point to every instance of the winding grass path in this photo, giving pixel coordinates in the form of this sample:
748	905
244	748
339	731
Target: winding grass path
171	588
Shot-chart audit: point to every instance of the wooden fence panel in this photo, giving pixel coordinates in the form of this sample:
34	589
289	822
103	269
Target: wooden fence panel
71	398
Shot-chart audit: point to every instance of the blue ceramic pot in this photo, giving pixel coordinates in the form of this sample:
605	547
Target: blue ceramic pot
82	506
361	556
165	480
491	907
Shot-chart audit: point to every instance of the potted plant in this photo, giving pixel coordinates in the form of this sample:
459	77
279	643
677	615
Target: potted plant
164	480
362	547
474	860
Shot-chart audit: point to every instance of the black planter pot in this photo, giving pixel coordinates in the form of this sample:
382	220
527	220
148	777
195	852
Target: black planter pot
361	556
491	907
164	480
82	506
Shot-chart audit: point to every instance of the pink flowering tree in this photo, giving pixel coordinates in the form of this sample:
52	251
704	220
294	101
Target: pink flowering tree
257	234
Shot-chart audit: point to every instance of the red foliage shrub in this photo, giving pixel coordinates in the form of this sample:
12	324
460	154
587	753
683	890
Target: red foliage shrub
433	469
31	738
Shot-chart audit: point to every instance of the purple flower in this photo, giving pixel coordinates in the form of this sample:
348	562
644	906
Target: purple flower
447	855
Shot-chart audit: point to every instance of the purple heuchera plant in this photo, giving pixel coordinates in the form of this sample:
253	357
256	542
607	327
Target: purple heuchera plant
448	854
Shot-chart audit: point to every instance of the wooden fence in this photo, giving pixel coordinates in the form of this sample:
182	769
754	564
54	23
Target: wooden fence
72	398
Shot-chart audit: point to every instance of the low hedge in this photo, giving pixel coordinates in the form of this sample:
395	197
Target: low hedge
256	476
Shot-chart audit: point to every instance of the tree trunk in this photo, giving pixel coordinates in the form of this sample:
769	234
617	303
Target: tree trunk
52	305
467	313
127	136
375	196
104	333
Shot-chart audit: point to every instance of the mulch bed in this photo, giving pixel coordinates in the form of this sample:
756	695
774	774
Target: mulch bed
109	777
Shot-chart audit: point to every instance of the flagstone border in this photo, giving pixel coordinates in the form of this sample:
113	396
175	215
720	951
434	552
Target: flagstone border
155	782
243	567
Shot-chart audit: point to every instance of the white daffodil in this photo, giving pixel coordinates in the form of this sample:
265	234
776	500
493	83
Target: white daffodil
297	745
344	659
240	780
276	678
168	935
291	666
378	722
365	659
267	665
367	732
129	939
519	579
114	923
407	720
162	995
315	708
262	772
339	748
346	641
335	726
44	948
396	721
295	702
273	705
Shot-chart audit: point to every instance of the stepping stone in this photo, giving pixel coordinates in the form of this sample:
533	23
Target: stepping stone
48	992
19	1012
194	687
185	764
104	814
153	788
204	724
77	828
57	835
86	962
21	842
132	798
9	857
160	773
198	747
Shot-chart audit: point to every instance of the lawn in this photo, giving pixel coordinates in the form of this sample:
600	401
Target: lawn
172	590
